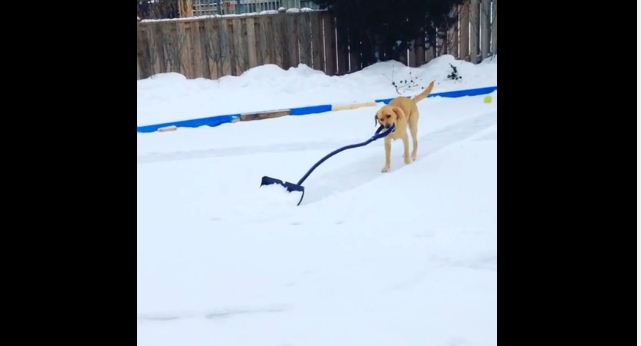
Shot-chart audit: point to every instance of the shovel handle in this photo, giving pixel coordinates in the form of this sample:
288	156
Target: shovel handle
377	135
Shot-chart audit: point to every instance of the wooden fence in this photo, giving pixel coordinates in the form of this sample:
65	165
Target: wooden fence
212	47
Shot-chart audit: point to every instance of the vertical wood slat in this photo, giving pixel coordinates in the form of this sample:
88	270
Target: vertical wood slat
233	45
318	60
430	47
182	40
280	38
267	36
258	40
464	18
474	30
276	50
187	53
485	28
342	52
440	44
304	38
329	40
291	29
165	46
239	52
272	48
159	46
403	58
354	57
419	50
225	46
493	45
263	31
211	42
141	49
412	55
199	59
252	57
181	49
168	33
452	36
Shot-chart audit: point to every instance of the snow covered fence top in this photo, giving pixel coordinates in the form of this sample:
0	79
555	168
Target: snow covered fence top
231	118
231	15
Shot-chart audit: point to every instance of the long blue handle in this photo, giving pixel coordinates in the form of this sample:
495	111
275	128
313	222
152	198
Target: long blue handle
377	135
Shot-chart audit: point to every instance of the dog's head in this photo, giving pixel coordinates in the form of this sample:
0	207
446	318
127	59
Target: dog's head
388	116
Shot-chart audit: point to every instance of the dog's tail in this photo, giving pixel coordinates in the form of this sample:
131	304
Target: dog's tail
424	94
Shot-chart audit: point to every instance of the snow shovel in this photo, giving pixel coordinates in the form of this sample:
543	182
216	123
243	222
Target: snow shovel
299	187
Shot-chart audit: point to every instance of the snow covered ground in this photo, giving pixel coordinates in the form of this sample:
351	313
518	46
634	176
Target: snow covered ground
401	258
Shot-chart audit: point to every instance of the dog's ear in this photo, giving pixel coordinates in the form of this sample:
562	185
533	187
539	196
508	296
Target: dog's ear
399	113
375	119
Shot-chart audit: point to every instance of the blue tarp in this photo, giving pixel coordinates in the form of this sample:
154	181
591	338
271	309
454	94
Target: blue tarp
222	119
210	121
310	110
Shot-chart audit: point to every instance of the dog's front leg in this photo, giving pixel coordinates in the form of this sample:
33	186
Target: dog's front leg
388	152
406	150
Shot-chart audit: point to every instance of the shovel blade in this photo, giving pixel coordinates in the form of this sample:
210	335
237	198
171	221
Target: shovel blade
290	187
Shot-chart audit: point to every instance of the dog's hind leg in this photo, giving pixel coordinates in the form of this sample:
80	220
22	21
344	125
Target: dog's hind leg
406	149
413	123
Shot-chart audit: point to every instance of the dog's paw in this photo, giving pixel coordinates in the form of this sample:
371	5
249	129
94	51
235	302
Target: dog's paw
407	160
385	169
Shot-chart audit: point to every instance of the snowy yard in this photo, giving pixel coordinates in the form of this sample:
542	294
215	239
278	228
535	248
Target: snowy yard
369	258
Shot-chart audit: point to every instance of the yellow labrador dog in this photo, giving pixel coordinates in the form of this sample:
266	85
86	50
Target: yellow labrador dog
402	111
